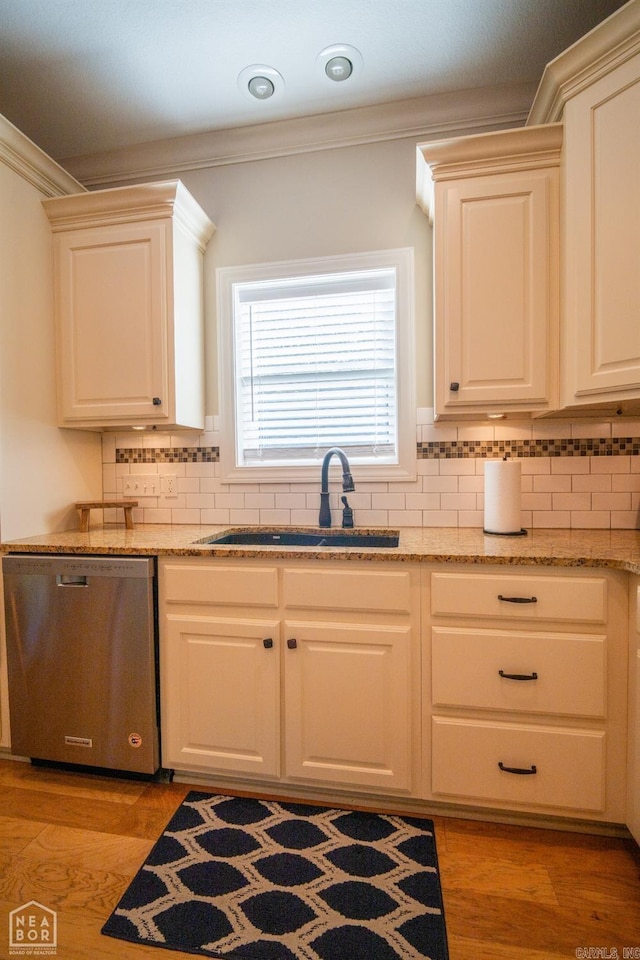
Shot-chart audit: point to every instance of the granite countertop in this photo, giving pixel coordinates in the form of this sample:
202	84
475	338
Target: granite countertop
617	549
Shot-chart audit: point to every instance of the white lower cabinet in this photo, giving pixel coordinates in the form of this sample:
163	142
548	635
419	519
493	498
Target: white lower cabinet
348	702
524	690
519	763
294	672
221	685
490	687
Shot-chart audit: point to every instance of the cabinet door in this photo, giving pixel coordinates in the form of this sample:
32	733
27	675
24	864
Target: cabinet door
221	694
112	311
348	700
602	238
496	291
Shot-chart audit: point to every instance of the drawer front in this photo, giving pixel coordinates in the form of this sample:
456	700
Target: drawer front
358	590
228	585
569	764
517	671
581	599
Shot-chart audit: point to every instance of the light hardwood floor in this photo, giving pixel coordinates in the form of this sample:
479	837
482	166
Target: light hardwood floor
73	842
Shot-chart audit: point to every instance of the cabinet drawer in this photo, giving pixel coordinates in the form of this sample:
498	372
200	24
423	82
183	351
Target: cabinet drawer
367	590
567	671
582	599
569	764
230	585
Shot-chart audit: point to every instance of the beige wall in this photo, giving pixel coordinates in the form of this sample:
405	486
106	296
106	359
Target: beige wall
43	470
323	203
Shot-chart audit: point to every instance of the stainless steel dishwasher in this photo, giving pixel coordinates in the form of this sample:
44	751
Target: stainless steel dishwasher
82	660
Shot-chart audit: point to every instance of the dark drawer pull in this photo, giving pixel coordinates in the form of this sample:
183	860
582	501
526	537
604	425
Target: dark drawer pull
522	772
454	386
157	402
518	676
517	599
292	643
267	643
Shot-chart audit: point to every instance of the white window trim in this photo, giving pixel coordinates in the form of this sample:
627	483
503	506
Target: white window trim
226	277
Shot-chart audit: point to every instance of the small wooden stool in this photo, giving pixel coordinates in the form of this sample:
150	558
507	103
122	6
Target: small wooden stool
85	506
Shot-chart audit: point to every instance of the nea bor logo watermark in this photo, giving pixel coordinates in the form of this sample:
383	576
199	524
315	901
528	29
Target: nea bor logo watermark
33	930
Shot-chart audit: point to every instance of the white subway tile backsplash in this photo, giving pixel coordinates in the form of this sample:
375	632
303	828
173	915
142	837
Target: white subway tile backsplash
458	501
552	483
583	474
388	501
445	484
543	519
211	515
470	518
611	501
627	520
590	519
439	518
624	481
572	501
513	430
625	427
275	517
404	518
594	483
590	428
291	501
457	466
610	465
536	501
570	464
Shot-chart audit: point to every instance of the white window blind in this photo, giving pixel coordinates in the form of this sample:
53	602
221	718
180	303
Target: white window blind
316	366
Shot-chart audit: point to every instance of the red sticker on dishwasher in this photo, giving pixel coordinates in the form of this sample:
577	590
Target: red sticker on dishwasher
135	740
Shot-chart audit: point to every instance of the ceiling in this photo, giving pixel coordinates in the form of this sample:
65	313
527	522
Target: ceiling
82	77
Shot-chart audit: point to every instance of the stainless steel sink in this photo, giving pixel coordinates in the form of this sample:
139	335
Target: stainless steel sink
293	538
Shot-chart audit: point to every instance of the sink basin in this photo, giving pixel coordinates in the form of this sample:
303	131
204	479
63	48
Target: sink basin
292	538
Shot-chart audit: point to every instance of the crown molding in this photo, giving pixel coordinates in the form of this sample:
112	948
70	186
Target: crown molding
490	153
601	50
32	164
469	111
169	199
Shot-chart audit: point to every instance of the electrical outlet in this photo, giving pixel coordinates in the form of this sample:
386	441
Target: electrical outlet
141	485
169	486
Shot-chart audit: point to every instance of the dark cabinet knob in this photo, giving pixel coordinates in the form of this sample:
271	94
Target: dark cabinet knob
267	643
454	386
292	643
157	402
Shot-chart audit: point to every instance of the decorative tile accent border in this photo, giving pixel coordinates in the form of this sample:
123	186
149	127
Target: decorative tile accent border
465	449
167	455
433	450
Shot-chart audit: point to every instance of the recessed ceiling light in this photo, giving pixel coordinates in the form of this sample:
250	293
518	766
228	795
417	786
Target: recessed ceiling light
338	68
340	61
261	88
260	82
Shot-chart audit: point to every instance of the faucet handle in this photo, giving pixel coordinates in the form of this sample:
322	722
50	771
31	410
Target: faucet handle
347	513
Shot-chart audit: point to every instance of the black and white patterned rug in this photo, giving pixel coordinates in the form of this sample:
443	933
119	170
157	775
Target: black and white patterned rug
248	879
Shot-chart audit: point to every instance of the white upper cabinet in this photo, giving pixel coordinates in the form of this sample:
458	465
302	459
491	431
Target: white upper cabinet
595	88
494	201
129	306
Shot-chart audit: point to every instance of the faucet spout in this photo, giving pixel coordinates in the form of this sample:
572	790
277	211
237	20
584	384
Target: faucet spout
348	485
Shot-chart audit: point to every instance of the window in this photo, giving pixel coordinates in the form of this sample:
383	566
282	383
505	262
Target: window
320	355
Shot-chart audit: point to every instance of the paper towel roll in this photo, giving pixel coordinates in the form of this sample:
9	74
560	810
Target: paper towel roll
502	496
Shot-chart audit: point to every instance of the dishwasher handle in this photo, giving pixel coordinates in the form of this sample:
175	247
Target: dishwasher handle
71	580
